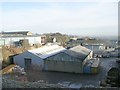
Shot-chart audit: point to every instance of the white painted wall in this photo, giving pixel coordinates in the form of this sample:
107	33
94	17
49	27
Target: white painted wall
36	60
32	40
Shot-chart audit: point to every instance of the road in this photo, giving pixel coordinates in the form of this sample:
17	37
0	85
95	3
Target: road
81	79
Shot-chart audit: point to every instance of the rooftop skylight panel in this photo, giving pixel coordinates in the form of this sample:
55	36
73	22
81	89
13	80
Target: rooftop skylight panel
39	54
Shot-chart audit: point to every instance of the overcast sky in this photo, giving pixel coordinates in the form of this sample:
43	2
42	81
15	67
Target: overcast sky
81	18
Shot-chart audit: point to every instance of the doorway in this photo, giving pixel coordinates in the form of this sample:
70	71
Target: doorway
28	63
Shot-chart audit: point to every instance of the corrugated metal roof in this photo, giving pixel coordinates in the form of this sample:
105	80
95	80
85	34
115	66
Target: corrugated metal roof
47	50
75	54
78	52
81	50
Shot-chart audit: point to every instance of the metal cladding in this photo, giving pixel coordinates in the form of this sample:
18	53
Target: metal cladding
56	58
47	51
78	52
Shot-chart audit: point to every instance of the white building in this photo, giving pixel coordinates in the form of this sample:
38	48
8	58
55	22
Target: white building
10	40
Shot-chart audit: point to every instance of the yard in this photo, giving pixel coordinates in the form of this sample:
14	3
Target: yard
84	80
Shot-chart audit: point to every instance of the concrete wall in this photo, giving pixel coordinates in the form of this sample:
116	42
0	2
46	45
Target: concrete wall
36	61
63	66
63	63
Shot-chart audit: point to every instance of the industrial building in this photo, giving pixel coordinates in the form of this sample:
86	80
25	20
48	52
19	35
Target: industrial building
36	57
93	44
18	33
55	58
70	60
15	40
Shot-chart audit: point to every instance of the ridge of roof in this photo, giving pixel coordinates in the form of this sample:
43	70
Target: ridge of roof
81	49
47	50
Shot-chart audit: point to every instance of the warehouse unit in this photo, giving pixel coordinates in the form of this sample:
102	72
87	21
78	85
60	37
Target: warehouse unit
32	39
35	57
70	60
93	44
55	58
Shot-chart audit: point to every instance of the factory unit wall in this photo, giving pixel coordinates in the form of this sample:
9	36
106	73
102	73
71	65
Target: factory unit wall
63	63
10	40
32	39
36	61
95	47
63	66
92	47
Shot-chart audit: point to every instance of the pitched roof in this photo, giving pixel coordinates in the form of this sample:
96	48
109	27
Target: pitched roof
47	50
81	50
78	52
80	56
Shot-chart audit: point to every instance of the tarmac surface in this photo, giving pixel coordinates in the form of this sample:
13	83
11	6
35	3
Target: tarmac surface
76	80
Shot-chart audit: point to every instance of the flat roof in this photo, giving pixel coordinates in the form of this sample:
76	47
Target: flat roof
15	36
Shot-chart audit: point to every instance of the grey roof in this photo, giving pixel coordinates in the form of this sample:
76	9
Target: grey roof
74	54
80	49
47	51
19	32
89	42
78	52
